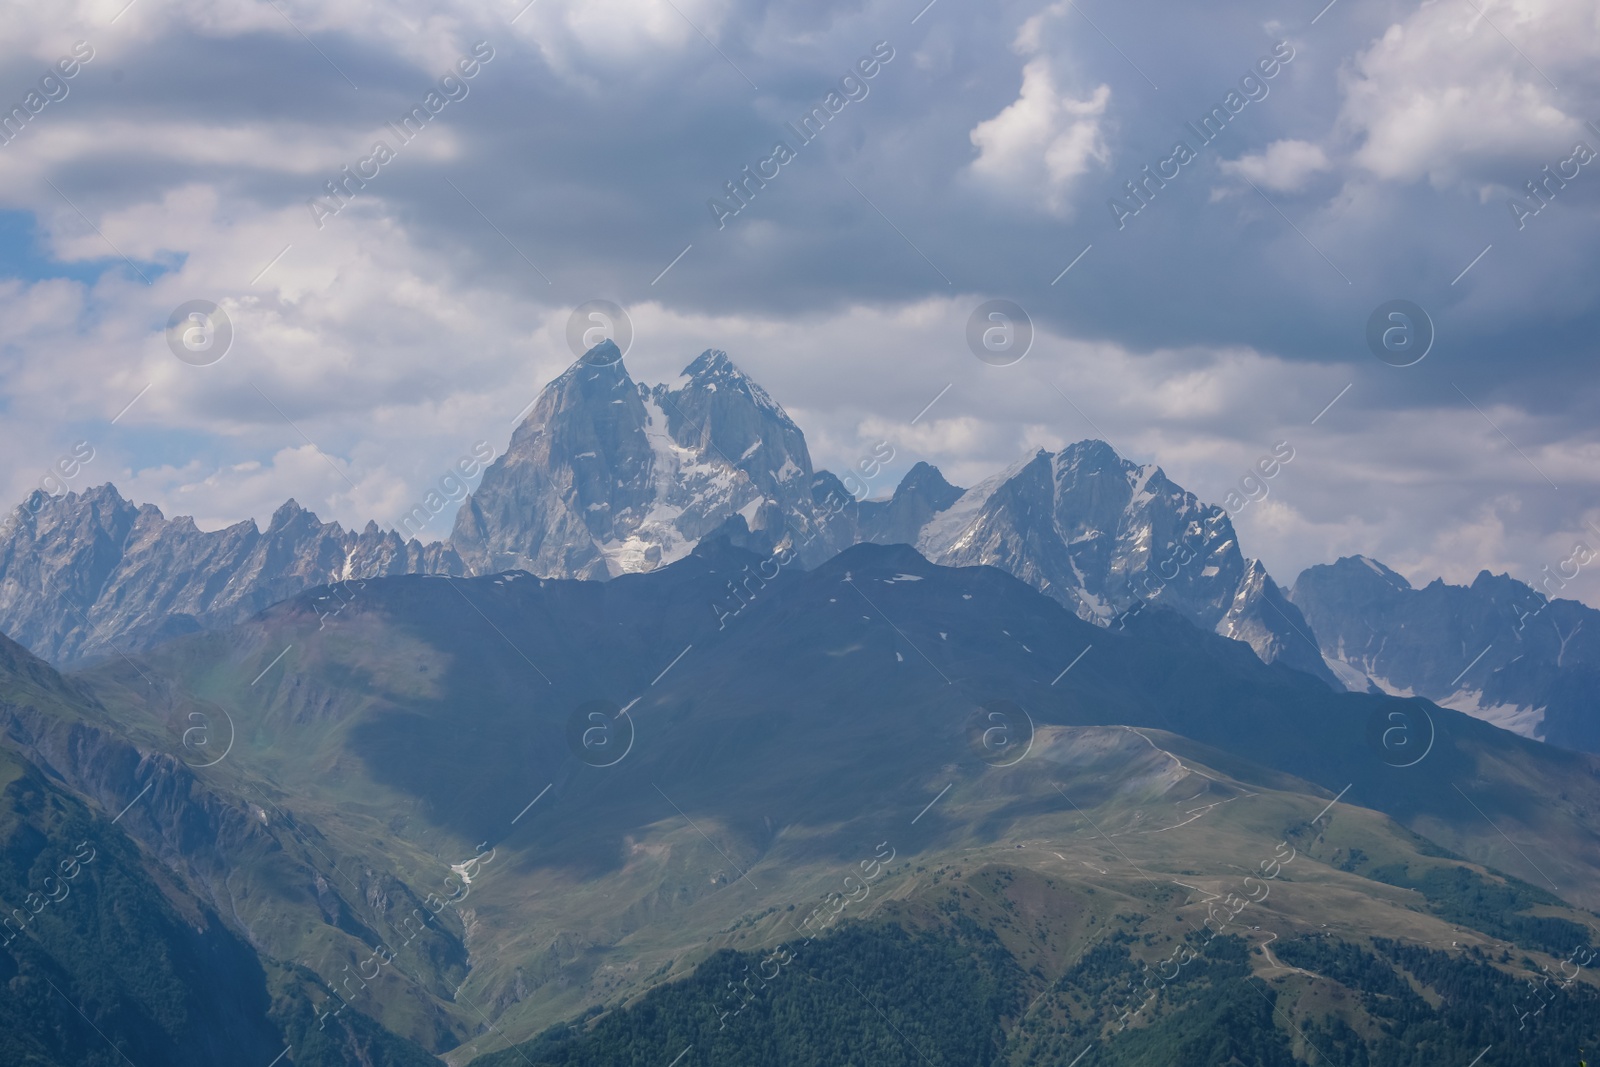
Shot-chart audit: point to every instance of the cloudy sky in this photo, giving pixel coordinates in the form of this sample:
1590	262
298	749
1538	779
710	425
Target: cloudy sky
1386	157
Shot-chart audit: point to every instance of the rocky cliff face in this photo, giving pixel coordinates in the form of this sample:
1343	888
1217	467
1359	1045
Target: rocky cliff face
1109	539
87	575
1497	649
609	477
921	495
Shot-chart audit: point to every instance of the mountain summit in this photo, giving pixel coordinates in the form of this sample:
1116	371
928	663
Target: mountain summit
1108	539
606	476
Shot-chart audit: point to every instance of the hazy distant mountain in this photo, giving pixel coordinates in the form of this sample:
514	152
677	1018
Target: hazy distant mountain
86	575
1497	649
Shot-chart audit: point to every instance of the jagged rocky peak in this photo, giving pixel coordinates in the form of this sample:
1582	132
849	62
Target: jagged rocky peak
1090	455
921	494
712	371
598	378
1106	537
578	473
290	516
713	366
607	477
715	406
1354	571
85	575
927	482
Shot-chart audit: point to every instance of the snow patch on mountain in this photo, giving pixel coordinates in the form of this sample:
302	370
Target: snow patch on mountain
1518	718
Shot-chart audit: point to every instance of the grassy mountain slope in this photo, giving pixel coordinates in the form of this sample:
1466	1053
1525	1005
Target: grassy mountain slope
107	959
987	961
778	747
274	887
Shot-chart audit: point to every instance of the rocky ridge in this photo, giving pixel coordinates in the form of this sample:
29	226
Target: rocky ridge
1497	649
609	476
89	575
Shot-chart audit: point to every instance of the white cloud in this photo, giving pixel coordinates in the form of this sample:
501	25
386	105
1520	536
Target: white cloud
356	338
625	29
1034	149
314	153
1443	93
1285	166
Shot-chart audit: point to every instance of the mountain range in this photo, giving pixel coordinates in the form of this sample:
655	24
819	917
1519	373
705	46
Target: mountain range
993	774
607	476
89	575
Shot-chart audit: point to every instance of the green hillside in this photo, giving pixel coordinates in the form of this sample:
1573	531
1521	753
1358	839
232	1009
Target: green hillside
424	737
106	959
934	985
